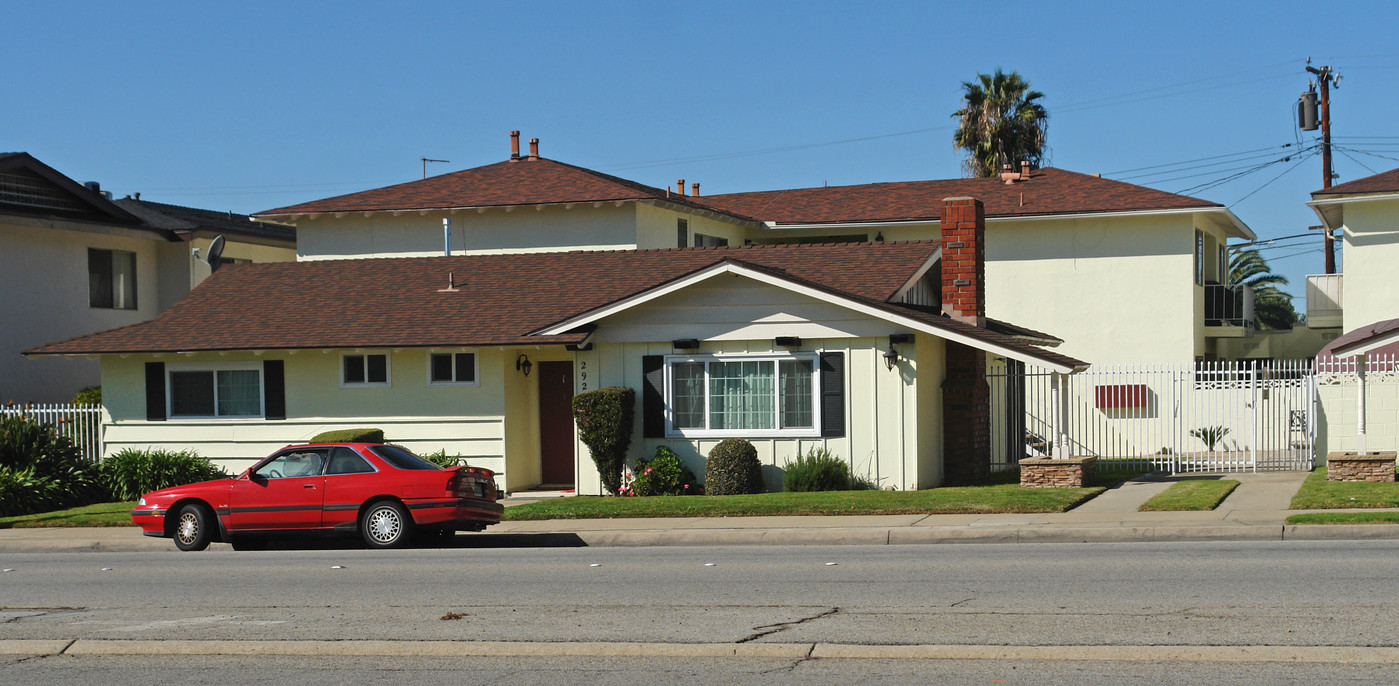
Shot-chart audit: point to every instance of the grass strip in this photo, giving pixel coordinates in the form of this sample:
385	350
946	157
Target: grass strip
1317	493
102	514
1345	518
1192	495
995	498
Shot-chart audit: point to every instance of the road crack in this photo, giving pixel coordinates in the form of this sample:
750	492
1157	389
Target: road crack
775	628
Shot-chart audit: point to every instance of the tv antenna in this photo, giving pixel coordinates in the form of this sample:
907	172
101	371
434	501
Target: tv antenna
429	159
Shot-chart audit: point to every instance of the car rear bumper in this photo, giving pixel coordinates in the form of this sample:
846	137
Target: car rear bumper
466	511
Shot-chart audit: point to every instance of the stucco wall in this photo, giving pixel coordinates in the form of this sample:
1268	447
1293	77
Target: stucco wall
45	274
1337	424
463	420
1371	253
656	228
524	229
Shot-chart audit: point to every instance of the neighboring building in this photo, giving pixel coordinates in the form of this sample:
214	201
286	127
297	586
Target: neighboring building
1366	211
867	349
72	262
1121	272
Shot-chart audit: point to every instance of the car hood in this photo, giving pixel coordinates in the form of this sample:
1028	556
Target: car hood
185	489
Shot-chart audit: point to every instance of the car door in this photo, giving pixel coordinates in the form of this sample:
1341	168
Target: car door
350	479
284	492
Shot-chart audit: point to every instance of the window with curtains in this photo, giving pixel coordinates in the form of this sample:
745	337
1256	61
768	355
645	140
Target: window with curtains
111	279
771	395
233	390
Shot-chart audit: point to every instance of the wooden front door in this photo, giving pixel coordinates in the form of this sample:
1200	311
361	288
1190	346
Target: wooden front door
556	422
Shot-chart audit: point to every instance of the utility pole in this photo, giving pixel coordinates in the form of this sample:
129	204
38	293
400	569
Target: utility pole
429	159
1325	76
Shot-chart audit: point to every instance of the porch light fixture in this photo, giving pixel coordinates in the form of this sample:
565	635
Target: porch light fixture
523	365
891	357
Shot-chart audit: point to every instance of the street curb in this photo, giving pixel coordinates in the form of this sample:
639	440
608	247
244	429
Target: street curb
785	651
1327	532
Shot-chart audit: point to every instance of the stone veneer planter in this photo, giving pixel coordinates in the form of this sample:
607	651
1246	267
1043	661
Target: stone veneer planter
1044	472
1350	466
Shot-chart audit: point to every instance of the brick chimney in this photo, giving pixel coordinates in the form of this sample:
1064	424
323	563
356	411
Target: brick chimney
533	149
964	260
514	145
966	398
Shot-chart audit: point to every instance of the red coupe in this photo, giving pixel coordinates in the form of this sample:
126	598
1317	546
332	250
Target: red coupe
383	492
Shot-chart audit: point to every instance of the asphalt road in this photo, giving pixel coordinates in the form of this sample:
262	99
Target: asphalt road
1297	599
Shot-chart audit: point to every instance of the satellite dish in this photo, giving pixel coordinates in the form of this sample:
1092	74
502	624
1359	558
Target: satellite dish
215	253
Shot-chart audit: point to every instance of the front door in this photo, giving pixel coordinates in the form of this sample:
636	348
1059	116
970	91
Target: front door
556	422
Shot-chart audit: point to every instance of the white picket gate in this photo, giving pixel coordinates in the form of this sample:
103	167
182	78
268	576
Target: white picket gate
1224	416
80	423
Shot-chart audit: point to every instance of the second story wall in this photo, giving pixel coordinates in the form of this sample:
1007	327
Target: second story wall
1370	254
658	227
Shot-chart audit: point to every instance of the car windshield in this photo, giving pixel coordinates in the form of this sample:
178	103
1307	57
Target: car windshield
401	458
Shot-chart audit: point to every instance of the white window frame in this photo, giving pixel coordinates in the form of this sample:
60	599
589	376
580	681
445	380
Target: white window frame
214	367
388	370
814	431
475	371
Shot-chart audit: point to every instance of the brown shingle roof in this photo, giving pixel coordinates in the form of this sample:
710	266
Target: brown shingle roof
1047	191
1384	182
396	302
513	182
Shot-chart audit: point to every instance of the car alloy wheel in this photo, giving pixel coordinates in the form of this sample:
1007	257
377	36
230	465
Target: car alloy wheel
192	528
386	525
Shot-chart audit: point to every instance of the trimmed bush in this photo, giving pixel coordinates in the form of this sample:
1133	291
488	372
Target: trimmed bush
817	470
604	419
133	473
663	474
349	436
733	469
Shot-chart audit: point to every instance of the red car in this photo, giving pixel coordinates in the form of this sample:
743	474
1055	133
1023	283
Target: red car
383	492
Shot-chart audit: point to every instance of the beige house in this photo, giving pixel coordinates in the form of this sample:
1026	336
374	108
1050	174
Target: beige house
1065	252
865	349
73	261
1366	212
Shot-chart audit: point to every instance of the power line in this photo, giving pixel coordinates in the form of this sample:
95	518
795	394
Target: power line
1202	166
1201	159
1270	181
1352	159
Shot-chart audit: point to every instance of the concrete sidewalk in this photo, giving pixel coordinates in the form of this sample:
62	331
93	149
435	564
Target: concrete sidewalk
1255	511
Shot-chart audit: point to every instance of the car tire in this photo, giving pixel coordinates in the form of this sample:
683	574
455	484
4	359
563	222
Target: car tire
193	527
386	524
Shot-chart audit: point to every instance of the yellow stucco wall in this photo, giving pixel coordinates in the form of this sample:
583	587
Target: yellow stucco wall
1371	251
656	227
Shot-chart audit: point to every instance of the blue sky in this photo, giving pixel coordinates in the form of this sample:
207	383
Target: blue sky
253	105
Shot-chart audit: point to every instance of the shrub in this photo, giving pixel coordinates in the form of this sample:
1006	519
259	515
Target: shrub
733	468
24	492
132	473
92	395
663	474
442	459
27	444
604	419
349	436
817	470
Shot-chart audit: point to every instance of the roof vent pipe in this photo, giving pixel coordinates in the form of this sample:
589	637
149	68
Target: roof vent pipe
534	148
446	237
514	145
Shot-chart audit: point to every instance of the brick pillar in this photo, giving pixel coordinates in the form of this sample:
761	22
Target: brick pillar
966	417
964	260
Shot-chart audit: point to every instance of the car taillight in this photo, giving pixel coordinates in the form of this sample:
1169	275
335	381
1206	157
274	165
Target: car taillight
471	482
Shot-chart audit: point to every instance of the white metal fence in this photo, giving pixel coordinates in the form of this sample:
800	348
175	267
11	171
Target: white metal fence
1207	416
80	423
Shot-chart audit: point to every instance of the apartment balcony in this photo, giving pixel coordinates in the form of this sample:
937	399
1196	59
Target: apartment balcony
1228	311
1324	299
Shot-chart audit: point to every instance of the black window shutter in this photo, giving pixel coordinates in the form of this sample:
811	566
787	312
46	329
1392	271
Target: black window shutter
832	394
653	396
155	391
274	389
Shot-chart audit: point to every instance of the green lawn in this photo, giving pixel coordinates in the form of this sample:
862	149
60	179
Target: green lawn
103	514
1317	493
1196	494
1345	518
994	498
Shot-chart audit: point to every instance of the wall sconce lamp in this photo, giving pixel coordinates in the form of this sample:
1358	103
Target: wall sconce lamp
523	365
891	357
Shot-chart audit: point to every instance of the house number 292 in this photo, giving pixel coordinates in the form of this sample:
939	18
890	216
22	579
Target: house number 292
583	376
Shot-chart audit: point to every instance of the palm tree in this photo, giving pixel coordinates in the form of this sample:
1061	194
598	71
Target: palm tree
1272	308
1000	123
